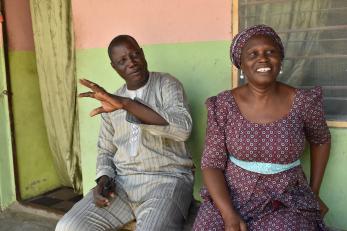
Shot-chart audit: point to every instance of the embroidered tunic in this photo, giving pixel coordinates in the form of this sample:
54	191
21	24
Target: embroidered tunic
150	164
156	162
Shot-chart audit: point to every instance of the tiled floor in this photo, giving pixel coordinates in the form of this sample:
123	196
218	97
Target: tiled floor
59	200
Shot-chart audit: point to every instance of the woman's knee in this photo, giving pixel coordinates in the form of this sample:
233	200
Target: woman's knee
208	218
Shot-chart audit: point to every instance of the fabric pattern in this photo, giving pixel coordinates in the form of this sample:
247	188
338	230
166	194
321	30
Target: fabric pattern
135	130
265	202
241	39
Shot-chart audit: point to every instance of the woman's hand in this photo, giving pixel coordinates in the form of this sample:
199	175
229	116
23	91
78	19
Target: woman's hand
104	191
234	223
108	101
215	182
323	208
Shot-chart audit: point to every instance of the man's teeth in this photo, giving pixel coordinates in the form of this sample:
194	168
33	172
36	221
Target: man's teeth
264	69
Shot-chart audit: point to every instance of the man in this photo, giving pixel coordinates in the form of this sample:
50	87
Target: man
144	170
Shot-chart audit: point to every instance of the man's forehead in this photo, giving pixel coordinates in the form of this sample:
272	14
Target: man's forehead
124	45
121	50
127	42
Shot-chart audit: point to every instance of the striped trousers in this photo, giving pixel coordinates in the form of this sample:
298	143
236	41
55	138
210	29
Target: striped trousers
157	204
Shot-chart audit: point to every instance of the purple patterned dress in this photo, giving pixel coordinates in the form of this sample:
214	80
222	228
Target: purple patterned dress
282	201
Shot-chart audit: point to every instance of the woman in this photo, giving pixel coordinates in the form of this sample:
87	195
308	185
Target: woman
255	137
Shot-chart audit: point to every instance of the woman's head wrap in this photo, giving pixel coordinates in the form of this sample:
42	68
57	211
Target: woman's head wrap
241	39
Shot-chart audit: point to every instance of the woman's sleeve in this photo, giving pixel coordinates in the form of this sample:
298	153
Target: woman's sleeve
215	153
315	126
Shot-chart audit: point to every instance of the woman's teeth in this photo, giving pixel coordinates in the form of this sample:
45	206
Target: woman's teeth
264	69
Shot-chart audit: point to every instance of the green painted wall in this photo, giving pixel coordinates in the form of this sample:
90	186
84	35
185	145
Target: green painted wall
334	190
7	185
36	172
204	69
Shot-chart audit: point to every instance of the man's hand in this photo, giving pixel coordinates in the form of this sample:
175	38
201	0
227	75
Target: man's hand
108	101
234	223
104	191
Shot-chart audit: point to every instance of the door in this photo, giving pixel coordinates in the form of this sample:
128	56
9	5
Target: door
7	184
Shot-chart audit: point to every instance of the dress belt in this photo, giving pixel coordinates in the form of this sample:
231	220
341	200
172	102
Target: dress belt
263	168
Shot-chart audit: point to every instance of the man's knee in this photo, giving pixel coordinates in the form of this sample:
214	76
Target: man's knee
65	224
62	225
160	215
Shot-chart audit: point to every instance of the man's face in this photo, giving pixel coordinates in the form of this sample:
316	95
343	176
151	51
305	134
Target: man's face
128	60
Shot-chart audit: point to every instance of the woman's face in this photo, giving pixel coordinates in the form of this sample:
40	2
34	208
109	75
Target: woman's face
261	60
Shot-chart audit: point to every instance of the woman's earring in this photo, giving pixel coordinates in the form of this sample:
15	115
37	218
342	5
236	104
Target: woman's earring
281	70
241	75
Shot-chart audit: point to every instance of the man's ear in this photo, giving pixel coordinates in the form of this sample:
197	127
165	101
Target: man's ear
113	65
143	55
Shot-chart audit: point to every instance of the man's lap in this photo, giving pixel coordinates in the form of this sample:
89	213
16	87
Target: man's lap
86	216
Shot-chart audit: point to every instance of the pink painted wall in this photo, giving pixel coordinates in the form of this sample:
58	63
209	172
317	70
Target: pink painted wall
19	27
151	22
1	35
